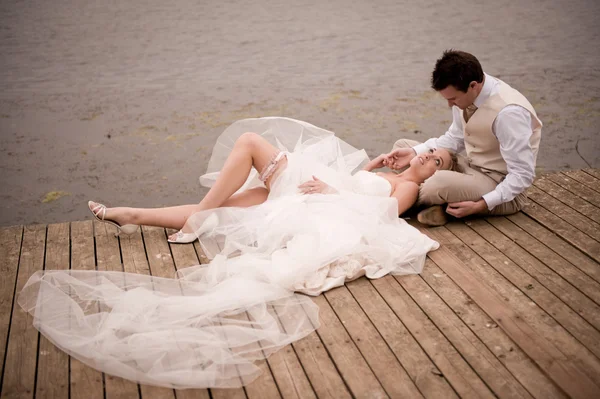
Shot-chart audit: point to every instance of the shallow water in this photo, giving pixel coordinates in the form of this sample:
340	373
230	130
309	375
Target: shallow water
122	101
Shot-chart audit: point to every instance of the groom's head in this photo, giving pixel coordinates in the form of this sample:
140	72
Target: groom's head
458	77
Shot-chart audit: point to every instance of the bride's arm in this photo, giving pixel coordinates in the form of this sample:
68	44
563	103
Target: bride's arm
406	194
376	163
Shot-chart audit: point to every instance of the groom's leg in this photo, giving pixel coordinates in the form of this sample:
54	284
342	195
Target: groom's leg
405	143
447	186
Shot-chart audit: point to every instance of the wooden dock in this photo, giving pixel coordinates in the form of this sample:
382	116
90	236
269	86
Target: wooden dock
507	307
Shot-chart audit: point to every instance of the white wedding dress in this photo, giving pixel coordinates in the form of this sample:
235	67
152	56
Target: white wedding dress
207	326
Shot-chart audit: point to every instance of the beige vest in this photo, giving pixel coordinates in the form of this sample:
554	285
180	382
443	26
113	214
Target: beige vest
482	146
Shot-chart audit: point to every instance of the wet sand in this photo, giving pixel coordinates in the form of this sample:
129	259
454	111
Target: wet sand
122	102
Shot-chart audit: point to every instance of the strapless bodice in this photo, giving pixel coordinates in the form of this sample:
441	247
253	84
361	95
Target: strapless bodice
369	183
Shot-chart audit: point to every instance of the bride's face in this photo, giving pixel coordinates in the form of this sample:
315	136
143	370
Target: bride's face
430	162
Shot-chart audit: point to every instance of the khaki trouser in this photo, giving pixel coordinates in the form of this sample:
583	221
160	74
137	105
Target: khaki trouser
446	186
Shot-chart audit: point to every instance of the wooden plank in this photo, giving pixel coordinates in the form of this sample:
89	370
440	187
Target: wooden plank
569	233
208	248
372	346
159	254
481	359
565	212
86	382
498	343
525	330
108	258
544	298
21	353
514	299
53	363
320	369
592	172
135	261
420	368
288	372
584	178
436	344
265	385
11	239
185	256
575	187
350	363
554	281
310	351
550	239
568	198
314	359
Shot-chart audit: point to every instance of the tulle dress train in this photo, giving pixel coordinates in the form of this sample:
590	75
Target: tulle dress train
208	325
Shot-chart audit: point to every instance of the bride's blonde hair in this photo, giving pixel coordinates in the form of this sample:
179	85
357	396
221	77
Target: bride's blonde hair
455	167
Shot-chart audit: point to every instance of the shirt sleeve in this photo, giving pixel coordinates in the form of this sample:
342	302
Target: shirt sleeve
513	130
453	139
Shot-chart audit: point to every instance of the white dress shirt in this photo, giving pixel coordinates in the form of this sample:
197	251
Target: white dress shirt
513	128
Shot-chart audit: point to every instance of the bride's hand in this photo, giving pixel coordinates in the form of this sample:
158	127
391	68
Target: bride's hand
377	163
399	158
315	186
381	161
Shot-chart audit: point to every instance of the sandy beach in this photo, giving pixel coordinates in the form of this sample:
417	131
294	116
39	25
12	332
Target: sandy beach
121	102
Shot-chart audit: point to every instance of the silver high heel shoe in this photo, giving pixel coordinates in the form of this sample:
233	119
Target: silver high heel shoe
99	212
185	238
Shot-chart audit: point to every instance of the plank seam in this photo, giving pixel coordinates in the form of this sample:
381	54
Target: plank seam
581	182
547	247
589	174
542	308
37	351
96	267
331	357
550	182
383	338
571	191
560	216
12	309
411	333
467	325
536	279
561	238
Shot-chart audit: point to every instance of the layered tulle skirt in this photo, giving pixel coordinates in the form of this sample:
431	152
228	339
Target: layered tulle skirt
208	325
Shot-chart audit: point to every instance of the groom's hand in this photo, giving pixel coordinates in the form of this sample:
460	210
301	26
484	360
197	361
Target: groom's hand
466	208
399	158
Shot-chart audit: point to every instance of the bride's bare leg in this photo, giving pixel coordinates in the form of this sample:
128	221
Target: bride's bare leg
174	217
250	150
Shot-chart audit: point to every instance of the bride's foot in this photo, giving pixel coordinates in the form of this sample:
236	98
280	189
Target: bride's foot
99	212
182	237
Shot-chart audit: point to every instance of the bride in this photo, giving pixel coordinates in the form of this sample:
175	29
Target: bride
291	215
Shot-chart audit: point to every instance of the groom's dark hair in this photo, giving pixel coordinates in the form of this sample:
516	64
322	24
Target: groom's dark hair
456	68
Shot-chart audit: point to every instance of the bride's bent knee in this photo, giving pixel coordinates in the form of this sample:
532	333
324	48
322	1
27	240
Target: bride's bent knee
249	139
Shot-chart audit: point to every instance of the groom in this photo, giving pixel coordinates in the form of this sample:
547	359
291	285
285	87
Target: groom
500	132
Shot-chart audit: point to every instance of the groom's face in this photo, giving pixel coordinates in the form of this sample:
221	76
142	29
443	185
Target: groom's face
458	98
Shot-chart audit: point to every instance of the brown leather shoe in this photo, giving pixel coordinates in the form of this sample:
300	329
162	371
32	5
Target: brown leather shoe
433	216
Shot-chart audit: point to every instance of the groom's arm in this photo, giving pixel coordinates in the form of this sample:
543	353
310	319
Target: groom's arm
453	139
513	130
